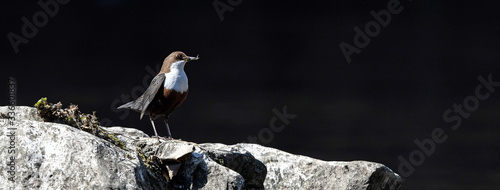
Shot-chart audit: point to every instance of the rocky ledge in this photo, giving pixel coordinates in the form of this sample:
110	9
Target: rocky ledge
46	155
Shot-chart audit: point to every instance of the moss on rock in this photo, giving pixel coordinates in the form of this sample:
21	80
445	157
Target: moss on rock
73	117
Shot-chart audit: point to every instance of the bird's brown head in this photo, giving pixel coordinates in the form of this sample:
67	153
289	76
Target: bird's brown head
176	59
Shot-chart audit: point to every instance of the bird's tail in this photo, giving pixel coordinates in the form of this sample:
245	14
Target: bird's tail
133	106
128	105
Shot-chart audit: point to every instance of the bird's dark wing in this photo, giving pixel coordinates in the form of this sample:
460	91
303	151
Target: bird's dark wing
143	102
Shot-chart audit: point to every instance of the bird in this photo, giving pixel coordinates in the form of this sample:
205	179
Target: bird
166	92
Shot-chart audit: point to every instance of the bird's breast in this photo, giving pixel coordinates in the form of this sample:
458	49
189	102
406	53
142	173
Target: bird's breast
176	80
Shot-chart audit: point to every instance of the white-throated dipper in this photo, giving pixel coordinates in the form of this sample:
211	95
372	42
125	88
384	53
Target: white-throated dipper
167	90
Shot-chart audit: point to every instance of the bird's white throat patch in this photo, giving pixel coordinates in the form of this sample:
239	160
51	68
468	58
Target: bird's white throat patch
176	79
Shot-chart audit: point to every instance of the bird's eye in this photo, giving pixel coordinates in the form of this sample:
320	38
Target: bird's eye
180	57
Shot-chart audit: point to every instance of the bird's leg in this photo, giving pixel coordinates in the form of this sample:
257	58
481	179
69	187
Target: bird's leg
168	128
153	123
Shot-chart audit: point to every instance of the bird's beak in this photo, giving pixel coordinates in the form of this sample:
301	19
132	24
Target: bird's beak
193	58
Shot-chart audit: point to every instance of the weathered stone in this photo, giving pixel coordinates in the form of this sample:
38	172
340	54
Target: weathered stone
239	160
57	156
22	113
289	171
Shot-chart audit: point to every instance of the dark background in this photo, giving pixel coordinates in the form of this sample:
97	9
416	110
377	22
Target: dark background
266	55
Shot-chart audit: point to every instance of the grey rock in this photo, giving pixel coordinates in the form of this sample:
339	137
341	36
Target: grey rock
239	160
196	170
22	113
57	156
127	132
289	171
